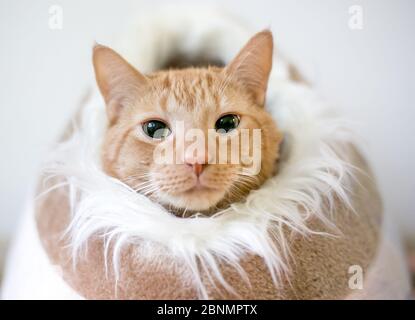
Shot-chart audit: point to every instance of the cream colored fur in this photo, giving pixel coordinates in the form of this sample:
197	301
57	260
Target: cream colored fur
314	170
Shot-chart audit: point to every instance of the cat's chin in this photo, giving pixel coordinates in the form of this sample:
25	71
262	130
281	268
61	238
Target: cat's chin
199	199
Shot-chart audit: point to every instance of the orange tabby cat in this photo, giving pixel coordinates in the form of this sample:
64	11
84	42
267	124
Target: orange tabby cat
143	113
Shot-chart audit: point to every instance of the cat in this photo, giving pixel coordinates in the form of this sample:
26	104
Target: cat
143	111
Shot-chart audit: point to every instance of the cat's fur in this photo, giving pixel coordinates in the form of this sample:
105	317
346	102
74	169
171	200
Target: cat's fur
123	231
198	97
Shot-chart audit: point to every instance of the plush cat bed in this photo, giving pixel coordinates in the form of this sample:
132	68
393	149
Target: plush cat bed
314	230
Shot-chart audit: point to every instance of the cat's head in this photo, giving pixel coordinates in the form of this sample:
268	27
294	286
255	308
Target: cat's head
183	137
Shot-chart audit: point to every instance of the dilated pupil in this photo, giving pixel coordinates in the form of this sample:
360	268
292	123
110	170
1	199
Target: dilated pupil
227	123
156	129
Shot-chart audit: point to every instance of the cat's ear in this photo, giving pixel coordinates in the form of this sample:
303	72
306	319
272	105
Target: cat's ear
117	80
252	66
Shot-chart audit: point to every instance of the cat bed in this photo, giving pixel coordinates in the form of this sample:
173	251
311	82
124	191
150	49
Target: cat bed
314	230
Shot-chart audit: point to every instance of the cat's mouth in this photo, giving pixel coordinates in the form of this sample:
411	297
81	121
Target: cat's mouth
199	188
196	198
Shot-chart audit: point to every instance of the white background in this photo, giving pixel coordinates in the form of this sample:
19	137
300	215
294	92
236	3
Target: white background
368	74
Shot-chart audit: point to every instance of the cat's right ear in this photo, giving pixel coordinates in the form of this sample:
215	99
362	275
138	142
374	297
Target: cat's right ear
253	64
117	80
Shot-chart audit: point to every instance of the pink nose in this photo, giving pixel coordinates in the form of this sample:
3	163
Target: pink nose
196	161
197	168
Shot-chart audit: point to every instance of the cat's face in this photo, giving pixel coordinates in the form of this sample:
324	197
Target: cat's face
189	138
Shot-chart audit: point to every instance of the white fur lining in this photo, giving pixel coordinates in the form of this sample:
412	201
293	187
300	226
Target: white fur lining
314	172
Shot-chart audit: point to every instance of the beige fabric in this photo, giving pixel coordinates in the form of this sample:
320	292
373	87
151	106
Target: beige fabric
319	266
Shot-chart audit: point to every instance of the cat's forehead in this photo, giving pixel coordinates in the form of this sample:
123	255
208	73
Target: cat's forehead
188	88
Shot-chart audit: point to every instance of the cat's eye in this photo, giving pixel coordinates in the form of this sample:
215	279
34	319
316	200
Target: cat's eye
156	129
227	123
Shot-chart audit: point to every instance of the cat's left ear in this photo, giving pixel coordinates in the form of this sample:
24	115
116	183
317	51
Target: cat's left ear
253	64
117	80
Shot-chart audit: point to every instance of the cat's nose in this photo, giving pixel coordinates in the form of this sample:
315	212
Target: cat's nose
197	168
197	164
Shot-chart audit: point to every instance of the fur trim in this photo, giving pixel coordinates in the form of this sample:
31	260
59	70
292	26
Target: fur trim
312	174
